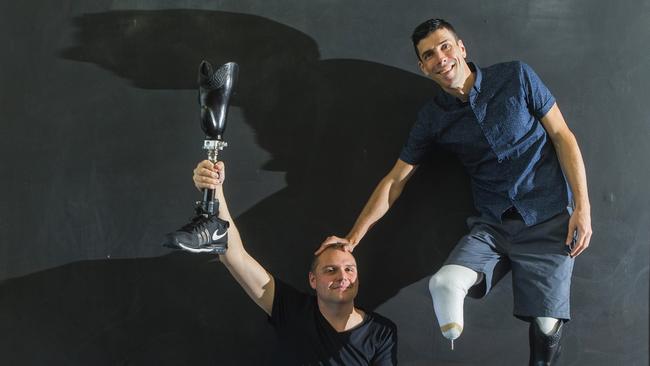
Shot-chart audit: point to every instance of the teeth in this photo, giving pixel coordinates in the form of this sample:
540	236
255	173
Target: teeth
340	287
447	70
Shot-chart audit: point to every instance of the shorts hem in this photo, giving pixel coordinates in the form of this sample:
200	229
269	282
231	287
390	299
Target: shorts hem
529	317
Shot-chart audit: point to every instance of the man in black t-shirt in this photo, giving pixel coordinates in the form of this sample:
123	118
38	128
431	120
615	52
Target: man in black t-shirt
326	329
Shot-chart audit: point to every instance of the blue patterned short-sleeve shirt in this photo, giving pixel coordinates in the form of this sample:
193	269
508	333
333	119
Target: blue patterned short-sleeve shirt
498	137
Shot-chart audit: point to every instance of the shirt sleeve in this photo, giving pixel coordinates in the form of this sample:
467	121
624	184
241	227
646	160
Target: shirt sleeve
287	301
387	352
420	140
538	97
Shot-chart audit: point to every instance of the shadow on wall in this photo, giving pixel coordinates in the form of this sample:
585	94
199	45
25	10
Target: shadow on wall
334	126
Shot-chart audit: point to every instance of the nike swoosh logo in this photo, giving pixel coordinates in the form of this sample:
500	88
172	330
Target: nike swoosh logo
216	236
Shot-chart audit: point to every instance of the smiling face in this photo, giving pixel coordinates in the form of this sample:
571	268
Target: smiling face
334	277
442	58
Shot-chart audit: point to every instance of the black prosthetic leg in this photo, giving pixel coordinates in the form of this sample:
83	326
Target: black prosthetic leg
544	349
206	233
215	90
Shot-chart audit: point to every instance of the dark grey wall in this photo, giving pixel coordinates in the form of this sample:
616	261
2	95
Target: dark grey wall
99	134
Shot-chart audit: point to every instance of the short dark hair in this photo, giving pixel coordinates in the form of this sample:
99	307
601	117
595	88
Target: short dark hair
314	262
423	30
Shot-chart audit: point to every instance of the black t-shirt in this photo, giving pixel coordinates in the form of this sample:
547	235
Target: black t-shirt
306	338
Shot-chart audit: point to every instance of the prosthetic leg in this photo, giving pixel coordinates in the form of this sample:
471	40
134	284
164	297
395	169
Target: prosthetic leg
206	233
545	347
215	90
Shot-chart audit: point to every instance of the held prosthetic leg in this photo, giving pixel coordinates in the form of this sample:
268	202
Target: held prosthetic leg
207	233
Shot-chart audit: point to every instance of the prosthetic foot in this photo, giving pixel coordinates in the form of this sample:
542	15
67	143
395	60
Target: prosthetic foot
206	233
544	349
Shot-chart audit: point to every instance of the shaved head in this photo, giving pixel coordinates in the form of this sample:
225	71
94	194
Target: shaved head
337	246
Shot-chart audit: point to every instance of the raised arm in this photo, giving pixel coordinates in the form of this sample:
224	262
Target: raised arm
253	278
573	167
383	197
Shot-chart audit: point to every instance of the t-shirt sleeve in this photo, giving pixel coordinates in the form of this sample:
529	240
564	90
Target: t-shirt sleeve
287	302
387	351
420	140
538	97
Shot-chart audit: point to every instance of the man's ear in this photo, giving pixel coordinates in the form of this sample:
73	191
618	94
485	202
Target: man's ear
312	280
421	66
462	48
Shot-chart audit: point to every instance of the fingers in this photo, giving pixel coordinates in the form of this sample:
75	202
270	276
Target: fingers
331	240
209	175
220	166
582	242
346	247
579	232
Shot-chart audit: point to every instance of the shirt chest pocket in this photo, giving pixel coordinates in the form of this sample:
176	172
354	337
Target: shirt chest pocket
509	125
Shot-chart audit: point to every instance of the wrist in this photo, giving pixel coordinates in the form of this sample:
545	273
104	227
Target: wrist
584	207
354	238
218	193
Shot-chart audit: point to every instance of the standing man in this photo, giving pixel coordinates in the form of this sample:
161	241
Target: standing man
508	132
326	329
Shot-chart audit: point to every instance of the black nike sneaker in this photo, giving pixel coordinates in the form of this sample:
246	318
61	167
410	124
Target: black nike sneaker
204	234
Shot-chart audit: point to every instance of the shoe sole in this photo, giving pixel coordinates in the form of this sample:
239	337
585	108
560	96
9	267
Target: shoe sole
203	250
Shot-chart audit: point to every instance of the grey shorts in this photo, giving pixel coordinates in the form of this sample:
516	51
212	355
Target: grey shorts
536	255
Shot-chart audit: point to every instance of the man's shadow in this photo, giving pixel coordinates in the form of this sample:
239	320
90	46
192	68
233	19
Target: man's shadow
335	127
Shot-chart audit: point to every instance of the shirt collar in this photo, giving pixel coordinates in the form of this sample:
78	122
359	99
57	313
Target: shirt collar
447	100
479	76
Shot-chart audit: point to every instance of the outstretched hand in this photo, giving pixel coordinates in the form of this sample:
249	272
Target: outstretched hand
209	175
332	240
579	232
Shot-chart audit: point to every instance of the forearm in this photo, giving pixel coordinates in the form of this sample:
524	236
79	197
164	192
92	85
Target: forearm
252	277
383	197
236	251
573	167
